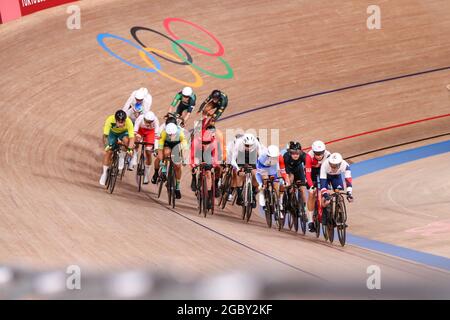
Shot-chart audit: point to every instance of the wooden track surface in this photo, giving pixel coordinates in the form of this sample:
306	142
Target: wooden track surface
57	86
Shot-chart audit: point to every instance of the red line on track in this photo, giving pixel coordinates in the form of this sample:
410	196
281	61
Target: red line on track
386	128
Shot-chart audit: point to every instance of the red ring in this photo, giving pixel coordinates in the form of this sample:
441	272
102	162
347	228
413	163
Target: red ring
219	53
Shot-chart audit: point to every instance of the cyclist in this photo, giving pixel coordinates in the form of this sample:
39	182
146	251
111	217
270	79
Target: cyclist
314	159
184	103
230	149
331	174
145	130
269	163
214	105
118	129
170	140
245	153
204	149
295	162
139	102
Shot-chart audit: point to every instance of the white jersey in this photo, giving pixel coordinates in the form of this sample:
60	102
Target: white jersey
140	123
130	106
238	153
326	170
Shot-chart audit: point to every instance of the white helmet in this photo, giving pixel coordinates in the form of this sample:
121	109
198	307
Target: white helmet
141	93
249	139
149	116
171	128
335	159
318	146
273	151
187	91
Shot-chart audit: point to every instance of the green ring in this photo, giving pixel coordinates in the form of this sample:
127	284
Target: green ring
229	75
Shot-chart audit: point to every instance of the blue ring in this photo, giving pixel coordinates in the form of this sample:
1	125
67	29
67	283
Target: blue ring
100	38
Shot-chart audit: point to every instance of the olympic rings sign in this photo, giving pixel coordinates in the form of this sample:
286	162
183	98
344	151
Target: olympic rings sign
182	58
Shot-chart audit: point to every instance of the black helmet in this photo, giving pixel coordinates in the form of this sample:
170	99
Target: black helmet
171	119
215	94
295	145
120	115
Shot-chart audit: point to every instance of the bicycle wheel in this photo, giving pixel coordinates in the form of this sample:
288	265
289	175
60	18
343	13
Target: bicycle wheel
225	191
330	221
277	211
288	206
198	193
294	210
204	195
316	220
244	205
140	172
267	209
125	167
161	181
325	231
114	171
341	218
302	214
249	202
173	185
213	188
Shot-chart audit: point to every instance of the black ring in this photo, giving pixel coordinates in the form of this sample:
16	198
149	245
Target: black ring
134	30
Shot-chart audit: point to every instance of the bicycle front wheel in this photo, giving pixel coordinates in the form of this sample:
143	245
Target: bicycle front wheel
341	218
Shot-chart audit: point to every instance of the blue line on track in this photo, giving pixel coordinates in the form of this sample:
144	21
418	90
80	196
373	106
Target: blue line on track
362	168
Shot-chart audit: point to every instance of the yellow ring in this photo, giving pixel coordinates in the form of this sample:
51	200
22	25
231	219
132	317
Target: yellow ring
198	79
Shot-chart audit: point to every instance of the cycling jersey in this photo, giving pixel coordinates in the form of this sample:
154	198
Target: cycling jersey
170	141
110	125
148	131
265	166
295	167
182	106
134	110
204	153
219	106
312	166
334	177
240	156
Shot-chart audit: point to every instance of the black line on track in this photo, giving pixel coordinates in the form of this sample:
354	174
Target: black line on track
238	242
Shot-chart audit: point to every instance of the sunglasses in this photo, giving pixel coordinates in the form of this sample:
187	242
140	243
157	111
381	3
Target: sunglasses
295	152
319	153
335	166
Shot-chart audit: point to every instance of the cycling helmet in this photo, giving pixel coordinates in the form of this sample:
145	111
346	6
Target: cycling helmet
335	160
318	147
294	146
187	91
149	116
215	94
141	93
273	151
171	128
170	118
120	115
249	139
